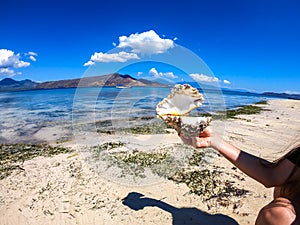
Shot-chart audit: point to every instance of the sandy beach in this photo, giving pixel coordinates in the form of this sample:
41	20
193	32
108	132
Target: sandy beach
68	189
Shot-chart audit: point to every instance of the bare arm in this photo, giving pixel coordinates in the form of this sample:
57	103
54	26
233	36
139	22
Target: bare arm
249	164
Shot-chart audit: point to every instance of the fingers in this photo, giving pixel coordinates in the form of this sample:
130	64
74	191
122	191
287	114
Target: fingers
196	142
200	142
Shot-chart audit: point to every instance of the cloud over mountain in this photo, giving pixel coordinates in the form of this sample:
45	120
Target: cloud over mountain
111	57
9	61
204	78
133	47
154	73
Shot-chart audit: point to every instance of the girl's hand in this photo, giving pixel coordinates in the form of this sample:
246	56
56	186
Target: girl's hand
203	141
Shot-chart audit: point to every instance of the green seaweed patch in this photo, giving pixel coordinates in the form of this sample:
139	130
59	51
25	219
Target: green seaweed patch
152	128
111	145
13	155
261	103
143	118
196	158
133	163
148	129
215	116
244	110
106	147
200	182
143	159
232	113
103	123
209	185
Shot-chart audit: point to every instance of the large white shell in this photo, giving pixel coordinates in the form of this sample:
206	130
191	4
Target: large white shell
174	108
182	99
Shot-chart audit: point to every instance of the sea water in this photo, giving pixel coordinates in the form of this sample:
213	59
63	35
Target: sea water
25	112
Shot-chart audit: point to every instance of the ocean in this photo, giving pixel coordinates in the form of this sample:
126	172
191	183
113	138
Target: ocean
25	112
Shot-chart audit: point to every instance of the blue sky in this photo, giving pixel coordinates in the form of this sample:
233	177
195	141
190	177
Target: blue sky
252	45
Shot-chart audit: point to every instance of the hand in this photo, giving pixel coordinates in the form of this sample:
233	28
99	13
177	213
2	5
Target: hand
203	141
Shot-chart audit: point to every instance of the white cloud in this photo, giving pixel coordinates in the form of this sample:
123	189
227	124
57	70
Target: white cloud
32	58
89	63
226	82
204	78
7	72
111	57
169	75
10	61
139	74
145	43
32	54
154	73
133	46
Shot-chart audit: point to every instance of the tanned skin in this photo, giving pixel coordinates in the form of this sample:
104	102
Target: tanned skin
281	211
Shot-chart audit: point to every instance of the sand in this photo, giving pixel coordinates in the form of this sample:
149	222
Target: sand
65	189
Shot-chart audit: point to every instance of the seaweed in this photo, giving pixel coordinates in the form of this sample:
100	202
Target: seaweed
244	110
209	184
142	159
149	128
12	156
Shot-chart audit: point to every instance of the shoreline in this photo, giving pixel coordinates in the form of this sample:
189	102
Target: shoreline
66	188
56	133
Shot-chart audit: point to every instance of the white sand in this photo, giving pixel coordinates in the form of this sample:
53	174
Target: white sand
65	190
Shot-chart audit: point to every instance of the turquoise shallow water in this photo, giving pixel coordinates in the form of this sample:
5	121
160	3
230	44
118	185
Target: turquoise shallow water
24	113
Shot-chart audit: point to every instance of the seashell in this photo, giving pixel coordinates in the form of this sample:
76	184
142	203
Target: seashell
188	126
182	99
173	110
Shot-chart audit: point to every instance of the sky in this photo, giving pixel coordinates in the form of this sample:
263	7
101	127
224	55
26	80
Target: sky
250	45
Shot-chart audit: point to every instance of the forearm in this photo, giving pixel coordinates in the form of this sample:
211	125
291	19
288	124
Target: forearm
249	164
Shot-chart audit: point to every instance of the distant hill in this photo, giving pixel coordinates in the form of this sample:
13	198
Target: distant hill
282	95
115	79
8	84
206	87
112	80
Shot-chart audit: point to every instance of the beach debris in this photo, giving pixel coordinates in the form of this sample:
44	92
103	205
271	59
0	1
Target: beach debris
174	110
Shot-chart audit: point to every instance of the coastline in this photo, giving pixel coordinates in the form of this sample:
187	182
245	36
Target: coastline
65	189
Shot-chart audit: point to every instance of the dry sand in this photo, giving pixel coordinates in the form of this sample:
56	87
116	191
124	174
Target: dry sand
64	189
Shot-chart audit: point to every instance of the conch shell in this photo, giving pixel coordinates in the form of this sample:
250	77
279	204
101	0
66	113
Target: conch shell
174	109
183	99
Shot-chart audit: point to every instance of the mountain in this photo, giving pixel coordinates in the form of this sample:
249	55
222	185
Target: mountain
110	80
206	87
282	95
8	84
113	80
